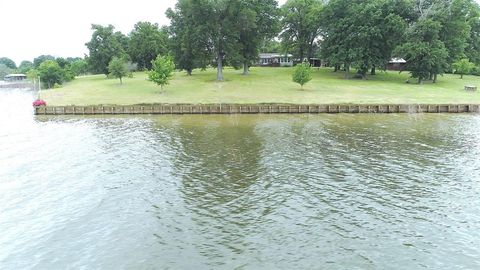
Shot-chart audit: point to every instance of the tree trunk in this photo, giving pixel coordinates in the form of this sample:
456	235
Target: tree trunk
461	76
245	68
337	67
189	72
219	67
435	77
302	54
419	80
121	80
347	71
373	72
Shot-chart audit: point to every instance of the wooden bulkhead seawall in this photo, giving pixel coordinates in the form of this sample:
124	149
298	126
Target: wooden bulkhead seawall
254	109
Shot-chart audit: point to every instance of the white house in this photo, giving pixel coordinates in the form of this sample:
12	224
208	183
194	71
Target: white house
275	60
15	77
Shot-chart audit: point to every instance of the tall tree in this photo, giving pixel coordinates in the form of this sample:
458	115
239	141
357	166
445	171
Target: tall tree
8	62
147	41
188	43
425	53
472	51
217	25
453	16
222	28
338	45
301	22
259	22
103	46
362	34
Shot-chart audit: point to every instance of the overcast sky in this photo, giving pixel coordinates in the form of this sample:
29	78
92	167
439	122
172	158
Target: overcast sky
30	28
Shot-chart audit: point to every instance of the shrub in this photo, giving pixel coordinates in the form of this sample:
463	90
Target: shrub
162	70
302	74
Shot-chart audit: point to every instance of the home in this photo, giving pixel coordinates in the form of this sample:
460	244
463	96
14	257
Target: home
15	77
275	60
397	64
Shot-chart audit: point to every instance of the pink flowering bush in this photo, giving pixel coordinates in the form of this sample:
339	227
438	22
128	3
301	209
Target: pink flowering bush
39	102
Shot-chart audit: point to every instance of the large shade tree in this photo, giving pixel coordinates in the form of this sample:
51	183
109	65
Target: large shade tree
472	51
221	27
425	53
453	16
103	46
216	24
147	41
259	21
301	23
362	34
188	44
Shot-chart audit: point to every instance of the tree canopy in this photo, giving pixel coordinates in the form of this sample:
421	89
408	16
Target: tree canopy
42	58
147	41
9	63
25	66
51	73
301	23
103	46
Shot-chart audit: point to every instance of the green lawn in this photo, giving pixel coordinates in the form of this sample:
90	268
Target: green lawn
264	85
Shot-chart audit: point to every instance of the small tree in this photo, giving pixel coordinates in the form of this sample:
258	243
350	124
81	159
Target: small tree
302	74
162	70
118	68
463	66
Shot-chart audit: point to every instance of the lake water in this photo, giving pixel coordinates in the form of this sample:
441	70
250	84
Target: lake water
238	192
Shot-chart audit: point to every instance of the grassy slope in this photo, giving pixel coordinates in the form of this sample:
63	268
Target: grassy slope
263	85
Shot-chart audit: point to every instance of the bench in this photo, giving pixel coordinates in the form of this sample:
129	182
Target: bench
470	88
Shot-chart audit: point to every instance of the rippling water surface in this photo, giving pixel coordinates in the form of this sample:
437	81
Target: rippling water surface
245	192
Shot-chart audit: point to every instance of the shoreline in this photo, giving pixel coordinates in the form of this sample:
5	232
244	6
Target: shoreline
165	109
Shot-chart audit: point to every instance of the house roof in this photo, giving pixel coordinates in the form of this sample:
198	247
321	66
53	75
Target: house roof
397	61
15	75
273	55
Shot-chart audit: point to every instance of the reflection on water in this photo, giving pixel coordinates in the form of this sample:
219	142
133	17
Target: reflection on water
247	192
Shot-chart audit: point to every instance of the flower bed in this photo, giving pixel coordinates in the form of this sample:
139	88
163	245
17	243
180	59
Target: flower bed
39	102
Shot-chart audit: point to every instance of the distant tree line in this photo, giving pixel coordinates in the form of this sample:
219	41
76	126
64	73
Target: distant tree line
433	36
51	70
